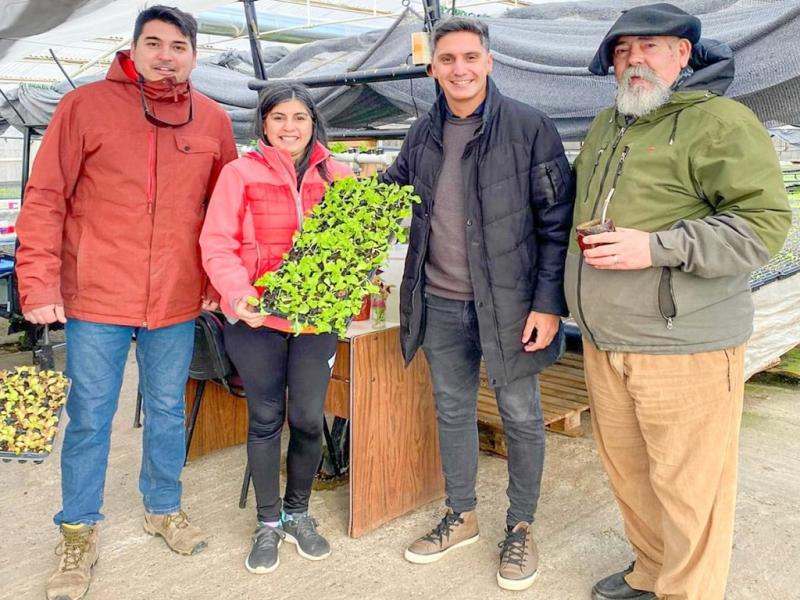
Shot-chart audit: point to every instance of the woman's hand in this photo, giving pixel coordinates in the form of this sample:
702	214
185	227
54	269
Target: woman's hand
247	312
209	304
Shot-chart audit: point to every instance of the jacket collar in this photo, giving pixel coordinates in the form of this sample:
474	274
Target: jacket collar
678	101
123	70
438	112
710	73
275	158
713	67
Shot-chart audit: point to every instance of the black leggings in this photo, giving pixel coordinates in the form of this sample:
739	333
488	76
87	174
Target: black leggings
268	362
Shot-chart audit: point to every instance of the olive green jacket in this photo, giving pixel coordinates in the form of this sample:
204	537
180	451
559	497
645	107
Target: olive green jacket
701	175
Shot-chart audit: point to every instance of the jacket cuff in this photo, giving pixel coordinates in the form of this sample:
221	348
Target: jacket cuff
662	243
550	305
211	293
227	302
41	297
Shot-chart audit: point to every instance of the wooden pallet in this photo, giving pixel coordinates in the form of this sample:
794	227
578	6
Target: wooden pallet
564	398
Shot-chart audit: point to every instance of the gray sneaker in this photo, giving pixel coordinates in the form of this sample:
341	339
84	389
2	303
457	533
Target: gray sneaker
302	532
263	557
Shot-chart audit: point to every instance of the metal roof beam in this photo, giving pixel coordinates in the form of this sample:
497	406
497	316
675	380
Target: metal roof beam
41	80
66	60
342	7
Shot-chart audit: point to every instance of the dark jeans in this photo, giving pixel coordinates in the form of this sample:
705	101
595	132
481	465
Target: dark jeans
268	362
453	348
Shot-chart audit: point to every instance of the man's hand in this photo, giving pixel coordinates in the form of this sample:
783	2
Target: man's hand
623	249
545	327
45	315
248	313
209	304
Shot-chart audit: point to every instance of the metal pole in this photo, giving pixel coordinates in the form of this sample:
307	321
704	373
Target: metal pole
16	323
88	65
368	134
252	32
14	108
432	13
58	63
352	78
27	141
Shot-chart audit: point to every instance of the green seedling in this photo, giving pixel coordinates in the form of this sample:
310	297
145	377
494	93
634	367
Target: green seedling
324	277
29	403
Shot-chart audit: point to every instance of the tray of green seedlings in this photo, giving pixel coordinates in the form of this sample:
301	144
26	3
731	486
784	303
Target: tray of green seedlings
791	179
31	403
323	278
786	262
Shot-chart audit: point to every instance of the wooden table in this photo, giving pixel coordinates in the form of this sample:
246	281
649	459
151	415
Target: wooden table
394	448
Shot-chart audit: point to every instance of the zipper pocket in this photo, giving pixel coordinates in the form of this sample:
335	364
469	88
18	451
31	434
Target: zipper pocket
594	170
666	297
580	302
617	175
151	171
614	144
549	170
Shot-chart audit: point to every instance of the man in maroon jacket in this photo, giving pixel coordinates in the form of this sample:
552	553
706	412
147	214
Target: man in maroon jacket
108	244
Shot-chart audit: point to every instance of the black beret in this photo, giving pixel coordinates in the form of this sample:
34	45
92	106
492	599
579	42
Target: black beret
652	19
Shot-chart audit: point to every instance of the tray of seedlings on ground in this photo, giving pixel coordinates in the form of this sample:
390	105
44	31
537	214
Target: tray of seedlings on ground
31	401
787	261
324	277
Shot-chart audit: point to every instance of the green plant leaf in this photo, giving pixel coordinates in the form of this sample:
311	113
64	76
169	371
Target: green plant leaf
324	277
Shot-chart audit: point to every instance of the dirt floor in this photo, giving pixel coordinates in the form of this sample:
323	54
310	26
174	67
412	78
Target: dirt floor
578	528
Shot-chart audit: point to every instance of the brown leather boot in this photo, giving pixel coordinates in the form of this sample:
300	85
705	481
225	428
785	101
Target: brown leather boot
78	551
179	534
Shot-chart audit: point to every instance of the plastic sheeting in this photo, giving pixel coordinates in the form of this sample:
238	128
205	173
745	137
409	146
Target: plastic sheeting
788	135
776	328
541	53
29	25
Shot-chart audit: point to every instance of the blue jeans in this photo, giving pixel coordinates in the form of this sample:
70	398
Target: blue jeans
453	348
96	355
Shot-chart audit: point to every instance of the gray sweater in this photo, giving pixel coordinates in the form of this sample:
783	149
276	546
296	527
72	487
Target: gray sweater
446	268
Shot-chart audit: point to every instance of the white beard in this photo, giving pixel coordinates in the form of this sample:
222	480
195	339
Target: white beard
636	101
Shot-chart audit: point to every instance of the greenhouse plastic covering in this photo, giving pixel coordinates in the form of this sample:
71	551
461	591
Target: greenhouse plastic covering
541	53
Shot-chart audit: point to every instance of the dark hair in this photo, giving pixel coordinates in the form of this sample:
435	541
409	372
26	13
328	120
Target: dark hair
455	24
278	92
185	22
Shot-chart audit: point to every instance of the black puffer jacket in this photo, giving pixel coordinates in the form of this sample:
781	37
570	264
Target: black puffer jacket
518	194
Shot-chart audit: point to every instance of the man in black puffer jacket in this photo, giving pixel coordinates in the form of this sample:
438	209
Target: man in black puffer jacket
484	277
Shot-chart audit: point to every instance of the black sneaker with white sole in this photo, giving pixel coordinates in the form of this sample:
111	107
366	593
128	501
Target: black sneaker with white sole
302	532
263	557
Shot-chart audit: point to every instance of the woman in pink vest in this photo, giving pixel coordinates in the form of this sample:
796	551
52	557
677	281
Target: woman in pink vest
258	204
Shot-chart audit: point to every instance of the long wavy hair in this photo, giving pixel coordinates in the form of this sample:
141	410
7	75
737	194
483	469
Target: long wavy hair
278	92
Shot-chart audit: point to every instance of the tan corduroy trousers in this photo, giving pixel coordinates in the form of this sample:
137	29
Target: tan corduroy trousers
667	431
